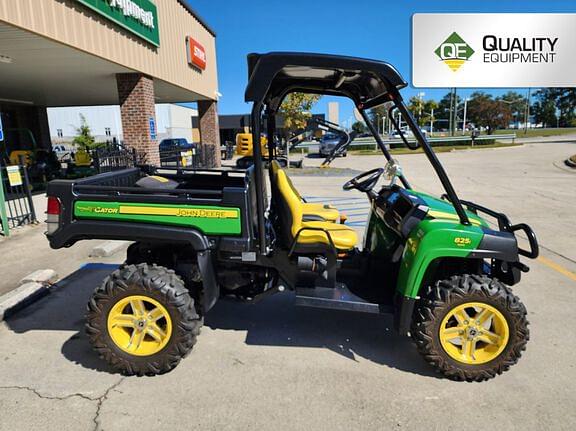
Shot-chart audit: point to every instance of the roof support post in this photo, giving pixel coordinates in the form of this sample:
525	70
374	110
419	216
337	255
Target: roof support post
431	155
381	143
258	176
270	132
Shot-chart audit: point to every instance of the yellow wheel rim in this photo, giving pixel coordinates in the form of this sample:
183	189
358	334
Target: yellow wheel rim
139	325
474	333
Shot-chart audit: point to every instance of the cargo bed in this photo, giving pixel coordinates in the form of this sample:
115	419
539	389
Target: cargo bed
211	206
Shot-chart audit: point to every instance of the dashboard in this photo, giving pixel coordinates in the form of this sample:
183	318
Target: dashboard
400	210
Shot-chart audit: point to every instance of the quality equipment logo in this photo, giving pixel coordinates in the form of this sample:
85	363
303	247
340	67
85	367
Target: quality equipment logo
454	51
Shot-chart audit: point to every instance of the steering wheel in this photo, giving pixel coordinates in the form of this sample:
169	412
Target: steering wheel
365	181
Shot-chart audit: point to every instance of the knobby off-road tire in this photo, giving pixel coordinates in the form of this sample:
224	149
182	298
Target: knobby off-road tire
445	296
150	284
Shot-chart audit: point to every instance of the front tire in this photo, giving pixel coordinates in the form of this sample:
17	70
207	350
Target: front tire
142	320
470	327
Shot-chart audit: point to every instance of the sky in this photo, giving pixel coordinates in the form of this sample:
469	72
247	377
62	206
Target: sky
378	29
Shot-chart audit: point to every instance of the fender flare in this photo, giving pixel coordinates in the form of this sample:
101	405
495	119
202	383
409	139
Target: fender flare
78	230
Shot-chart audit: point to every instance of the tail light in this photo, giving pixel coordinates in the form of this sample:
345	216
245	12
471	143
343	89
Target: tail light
54	206
53	211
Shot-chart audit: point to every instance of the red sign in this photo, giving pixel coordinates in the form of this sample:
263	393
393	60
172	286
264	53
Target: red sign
196	53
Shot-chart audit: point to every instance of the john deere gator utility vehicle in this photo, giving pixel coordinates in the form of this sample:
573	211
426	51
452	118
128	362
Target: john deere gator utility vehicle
436	264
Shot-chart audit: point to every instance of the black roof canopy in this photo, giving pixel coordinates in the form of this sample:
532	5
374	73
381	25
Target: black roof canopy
272	76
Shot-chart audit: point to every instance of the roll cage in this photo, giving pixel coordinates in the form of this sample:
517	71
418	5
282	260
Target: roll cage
368	83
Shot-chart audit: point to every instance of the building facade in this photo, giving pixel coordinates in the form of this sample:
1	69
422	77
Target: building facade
131	53
105	122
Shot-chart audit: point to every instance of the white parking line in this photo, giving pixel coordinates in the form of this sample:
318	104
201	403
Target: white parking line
356	209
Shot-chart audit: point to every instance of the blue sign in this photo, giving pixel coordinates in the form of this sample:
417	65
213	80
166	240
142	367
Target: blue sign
1	129
152	129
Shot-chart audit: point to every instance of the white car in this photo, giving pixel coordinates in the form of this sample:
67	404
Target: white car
407	133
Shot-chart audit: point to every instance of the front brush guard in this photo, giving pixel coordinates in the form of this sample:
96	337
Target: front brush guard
505	226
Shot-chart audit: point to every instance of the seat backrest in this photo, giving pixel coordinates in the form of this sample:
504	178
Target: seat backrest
286	203
274	168
292	202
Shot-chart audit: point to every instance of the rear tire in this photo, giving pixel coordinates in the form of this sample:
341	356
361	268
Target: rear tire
160	290
507	329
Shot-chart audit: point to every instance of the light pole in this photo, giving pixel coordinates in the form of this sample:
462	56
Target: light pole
465	110
453	106
431	113
527	112
420	101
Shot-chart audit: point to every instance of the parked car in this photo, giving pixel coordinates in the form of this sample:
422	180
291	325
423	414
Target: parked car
177	152
174	144
327	144
407	133
62	153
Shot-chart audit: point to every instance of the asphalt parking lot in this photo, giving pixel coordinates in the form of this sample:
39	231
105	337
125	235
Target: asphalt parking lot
275	366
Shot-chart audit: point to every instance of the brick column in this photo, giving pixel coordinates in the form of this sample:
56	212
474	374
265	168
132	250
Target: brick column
136	95
209	133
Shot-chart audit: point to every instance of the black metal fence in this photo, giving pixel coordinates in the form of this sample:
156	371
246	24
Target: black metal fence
114	158
181	158
16	204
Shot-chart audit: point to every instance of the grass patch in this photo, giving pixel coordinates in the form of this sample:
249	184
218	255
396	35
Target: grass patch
533	133
440	149
530	133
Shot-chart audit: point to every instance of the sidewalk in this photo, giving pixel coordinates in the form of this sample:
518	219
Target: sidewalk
27	250
520	139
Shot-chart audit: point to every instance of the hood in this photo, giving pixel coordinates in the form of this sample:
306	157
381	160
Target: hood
444	210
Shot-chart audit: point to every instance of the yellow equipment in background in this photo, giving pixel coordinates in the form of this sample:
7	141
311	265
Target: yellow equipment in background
15	157
245	146
82	158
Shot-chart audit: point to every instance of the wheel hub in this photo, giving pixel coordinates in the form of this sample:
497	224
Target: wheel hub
139	325
474	333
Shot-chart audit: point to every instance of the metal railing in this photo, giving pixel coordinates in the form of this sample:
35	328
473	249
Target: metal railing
179	158
397	142
16	205
114	158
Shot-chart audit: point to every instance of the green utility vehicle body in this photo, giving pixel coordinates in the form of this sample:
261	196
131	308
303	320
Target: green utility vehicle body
209	234
438	236
210	220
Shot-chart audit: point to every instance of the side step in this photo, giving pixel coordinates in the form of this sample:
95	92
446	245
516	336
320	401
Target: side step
339	298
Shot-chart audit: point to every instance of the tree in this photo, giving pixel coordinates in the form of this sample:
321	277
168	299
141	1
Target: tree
422	109
517	104
564	99
359	127
84	139
486	112
442	114
544	112
416	106
295	110
377	114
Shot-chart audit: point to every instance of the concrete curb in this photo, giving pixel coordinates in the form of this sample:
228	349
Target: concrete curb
31	288
107	248
20	298
545	141
42	276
